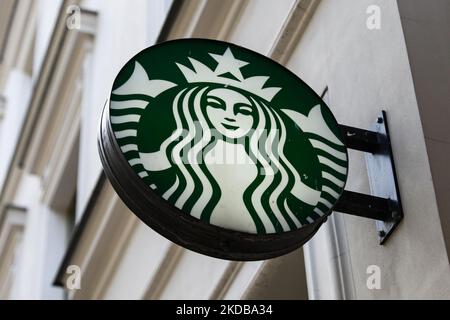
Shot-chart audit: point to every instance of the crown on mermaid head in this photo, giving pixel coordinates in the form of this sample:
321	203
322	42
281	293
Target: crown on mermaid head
227	63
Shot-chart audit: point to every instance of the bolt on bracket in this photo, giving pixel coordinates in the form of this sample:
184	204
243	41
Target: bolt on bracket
383	204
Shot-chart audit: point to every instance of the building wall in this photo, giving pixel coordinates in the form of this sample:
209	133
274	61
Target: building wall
112	47
328	44
366	71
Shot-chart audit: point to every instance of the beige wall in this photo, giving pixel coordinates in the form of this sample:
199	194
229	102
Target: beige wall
366	71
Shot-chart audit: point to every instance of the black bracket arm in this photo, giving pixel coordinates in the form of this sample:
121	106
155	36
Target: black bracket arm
364	205
361	139
383	204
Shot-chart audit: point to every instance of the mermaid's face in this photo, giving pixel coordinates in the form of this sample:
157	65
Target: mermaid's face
230	112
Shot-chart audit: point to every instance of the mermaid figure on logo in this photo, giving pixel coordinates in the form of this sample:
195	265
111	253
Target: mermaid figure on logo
227	152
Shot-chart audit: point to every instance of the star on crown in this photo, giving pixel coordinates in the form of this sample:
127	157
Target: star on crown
227	63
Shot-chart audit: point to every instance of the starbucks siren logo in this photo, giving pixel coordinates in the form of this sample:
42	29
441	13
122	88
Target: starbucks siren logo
210	135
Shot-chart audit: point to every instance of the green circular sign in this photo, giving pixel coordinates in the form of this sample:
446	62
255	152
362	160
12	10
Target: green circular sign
226	137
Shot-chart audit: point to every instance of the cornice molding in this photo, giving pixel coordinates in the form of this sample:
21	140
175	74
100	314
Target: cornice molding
293	29
11	230
18	41
8	10
60	39
59	70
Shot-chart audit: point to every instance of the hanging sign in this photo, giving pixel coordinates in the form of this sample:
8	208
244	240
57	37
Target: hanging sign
221	150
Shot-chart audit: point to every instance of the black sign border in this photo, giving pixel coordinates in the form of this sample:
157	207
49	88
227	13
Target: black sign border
181	228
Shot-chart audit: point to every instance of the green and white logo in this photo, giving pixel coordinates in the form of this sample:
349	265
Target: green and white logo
228	136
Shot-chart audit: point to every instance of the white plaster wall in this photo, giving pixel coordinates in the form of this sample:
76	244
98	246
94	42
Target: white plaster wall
157	12
259	24
43	242
121	33
366	71
242	280
143	260
29	273
53	236
195	277
47	11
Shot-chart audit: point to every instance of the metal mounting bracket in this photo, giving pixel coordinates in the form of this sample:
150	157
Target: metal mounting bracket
384	203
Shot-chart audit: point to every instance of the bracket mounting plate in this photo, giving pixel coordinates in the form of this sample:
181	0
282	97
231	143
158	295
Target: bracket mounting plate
383	179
